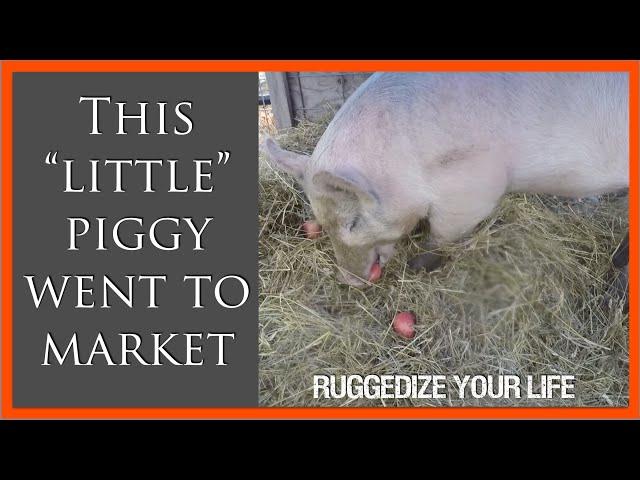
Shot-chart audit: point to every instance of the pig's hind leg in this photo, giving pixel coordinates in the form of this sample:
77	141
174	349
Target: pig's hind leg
619	278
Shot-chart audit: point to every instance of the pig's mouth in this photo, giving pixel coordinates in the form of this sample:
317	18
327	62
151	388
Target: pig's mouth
373	272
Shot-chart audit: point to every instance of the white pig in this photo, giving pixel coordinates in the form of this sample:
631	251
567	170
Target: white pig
448	146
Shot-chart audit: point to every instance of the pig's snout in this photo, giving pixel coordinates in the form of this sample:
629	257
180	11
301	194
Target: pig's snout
351	279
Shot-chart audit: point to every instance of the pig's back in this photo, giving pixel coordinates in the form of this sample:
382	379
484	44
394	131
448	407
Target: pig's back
546	127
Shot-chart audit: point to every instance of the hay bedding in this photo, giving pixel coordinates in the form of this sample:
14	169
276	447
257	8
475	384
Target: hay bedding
528	293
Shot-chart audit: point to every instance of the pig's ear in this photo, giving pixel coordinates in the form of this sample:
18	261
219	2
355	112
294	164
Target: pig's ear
349	184
292	163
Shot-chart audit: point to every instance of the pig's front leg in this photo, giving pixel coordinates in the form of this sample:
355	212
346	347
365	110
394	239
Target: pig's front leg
429	261
441	233
446	228
469	191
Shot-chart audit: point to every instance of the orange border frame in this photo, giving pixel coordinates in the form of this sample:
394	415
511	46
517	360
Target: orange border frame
10	67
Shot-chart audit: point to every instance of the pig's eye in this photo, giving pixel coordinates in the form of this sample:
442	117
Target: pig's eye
353	223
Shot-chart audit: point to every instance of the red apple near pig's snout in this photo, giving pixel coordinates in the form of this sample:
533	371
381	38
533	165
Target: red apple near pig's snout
312	229
404	324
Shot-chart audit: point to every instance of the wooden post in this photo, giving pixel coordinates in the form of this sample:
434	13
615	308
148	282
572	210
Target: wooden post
280	99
